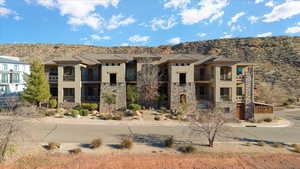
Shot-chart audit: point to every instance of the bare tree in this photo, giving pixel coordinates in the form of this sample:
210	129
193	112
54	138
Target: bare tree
210	123
148	82
12	126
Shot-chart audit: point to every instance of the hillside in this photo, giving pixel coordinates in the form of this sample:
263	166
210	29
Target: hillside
278	58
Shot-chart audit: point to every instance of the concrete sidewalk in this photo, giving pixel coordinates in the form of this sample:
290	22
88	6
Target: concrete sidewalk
170	123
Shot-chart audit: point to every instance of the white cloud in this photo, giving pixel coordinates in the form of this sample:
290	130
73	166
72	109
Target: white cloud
270	3
253	19
294	29
218	15
5	11
138	38
176	4
235	18
208	9
124	44
175	40
160	23
259	1
80	12
201	35
285	10
2	2
18	18
264	34
116	21
97	37
47	3
226	36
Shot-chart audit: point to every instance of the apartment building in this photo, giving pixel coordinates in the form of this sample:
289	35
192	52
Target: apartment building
195	80
12	72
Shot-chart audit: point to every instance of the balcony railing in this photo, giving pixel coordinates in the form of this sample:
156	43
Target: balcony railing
240	78
240	99
225	77
52	78
69	99
90	99
69	77
225	98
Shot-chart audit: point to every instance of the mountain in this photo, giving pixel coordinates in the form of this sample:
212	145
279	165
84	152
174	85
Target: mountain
277	58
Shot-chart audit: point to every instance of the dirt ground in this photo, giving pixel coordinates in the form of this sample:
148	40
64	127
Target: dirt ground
158	161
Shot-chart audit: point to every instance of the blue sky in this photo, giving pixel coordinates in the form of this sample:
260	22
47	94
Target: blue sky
144	22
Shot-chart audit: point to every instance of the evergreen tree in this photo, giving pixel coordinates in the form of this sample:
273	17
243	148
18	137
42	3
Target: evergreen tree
37	87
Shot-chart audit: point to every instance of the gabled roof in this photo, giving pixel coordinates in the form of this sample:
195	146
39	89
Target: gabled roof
6	60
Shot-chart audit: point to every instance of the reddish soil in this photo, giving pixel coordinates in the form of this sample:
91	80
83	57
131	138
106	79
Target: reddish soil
159	161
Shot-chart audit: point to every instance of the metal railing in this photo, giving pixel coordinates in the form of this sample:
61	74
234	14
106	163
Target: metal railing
52	78
69	77
240	77
240	98
90	99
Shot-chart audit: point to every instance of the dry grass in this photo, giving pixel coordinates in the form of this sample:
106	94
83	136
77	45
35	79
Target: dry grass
142	161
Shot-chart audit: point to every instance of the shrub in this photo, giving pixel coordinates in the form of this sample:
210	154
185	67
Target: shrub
84	112
10	150
278	145
50	113
134	107
295	145
96	143
187	149
127	142
262	143
53	103
169	142
157	118
52	146
74	112
268	120
76	151
248	144
106	117
297	149
59	110
117	117
89	106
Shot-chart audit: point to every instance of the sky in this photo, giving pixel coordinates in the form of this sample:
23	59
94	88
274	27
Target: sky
144	22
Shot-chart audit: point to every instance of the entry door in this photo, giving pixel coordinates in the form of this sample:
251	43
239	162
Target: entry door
240	111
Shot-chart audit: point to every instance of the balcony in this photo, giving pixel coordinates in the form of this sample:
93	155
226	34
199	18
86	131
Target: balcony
52	78
225	98
240	78
90	99
69	77
240	99
69	99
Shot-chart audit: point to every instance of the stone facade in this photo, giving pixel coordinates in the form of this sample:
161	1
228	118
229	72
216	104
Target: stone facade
249	93
179	92
118	90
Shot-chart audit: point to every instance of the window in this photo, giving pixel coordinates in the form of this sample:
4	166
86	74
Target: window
15	78
5	67
202	73
225	73
113	78
69	74
225	94
69	92
4	78
226	110
239	91
201	90
182	78
16	67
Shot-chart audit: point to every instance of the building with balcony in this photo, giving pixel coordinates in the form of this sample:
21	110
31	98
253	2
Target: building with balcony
193	80
12	72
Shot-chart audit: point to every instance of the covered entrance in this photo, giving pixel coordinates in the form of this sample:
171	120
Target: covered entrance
240	111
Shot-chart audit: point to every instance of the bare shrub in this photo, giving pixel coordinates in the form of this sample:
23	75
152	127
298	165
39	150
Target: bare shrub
262	143
96	143
127	143
12	124
75	151
209	122
53	146
169	142
278	145
187	149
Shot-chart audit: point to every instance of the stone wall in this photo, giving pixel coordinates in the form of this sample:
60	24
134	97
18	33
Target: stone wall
119	90
249	93
176	90
232	108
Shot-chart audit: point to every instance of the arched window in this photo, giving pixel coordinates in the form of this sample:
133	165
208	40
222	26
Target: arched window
182	99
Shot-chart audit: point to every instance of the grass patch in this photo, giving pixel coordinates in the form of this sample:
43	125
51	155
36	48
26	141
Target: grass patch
96	143
126	143
53	146
76	151
278	145
262	143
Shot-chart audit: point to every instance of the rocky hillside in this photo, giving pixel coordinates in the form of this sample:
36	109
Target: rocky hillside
278	58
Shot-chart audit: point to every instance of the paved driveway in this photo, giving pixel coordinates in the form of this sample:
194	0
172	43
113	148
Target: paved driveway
74	133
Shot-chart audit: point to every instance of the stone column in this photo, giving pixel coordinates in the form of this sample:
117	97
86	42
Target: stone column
77	84
249	93
60	90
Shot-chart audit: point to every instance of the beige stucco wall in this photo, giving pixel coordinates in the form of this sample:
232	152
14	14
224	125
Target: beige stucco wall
119	70
175	70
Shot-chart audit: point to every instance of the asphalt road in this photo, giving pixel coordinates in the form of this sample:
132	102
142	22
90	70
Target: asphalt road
75	133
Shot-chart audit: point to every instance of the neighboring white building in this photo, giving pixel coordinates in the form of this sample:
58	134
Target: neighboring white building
12	72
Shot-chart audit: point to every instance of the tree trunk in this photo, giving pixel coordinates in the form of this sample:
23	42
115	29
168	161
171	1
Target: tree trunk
211	142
